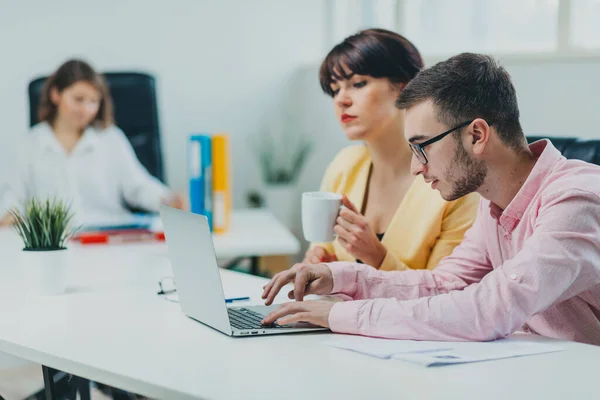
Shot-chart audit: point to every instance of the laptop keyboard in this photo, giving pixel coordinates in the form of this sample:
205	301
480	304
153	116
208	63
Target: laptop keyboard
242	318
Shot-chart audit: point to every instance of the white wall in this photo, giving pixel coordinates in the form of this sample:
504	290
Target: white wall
558	97
221	65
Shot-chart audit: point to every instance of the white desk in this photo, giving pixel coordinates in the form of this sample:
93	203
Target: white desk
111	327
252	233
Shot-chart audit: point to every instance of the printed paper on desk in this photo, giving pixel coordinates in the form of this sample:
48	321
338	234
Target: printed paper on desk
383	348
467	352
429	353
99	222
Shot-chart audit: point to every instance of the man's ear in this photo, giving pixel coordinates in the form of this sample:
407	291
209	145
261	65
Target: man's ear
54	96
479	133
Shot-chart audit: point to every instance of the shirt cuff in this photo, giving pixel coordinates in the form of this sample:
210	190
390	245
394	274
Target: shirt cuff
344	277
155	196
343	317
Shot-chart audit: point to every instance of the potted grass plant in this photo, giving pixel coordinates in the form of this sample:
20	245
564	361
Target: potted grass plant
45	228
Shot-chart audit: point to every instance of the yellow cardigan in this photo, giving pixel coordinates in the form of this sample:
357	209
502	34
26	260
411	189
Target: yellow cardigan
425	227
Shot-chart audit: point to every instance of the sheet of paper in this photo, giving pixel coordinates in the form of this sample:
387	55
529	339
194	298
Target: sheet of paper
106	221
383	348
429	353
465	352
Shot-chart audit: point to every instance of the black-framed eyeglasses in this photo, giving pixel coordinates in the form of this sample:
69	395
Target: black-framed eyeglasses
166	285
418	149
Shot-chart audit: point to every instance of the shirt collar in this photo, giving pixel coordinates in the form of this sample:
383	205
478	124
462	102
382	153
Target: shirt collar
47	139
87	142
547	156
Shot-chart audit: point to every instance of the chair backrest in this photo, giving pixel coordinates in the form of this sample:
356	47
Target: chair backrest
576	148
134	100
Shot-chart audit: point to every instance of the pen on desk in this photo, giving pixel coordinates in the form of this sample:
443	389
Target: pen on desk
231	300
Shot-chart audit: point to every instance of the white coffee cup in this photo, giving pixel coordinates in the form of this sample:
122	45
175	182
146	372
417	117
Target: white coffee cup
319	212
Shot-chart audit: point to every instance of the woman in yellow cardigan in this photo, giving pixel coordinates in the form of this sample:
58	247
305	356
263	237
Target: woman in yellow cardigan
391	219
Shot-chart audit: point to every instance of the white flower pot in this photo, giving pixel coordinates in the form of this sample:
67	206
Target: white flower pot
45	272
284	202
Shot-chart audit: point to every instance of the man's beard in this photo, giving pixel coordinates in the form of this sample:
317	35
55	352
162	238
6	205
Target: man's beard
470	172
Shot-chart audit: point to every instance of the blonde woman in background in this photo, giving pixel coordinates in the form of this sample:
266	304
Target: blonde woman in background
77	153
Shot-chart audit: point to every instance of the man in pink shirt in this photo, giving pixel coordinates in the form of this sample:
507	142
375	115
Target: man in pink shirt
532	258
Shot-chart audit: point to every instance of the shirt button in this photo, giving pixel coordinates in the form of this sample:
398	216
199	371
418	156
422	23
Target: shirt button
519	214
508	236
513	276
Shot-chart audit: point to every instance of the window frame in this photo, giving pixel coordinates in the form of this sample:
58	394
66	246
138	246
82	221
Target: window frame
564	46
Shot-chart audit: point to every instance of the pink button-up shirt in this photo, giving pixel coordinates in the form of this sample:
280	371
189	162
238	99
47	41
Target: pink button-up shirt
533	266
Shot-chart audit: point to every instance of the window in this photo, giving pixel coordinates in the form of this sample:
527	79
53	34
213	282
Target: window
448	27
350	16
584	23
444	27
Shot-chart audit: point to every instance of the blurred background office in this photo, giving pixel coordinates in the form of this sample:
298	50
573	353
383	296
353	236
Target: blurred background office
249	68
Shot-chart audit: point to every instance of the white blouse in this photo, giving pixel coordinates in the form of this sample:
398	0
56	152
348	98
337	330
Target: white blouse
99	177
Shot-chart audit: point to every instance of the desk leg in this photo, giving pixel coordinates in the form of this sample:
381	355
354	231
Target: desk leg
83	387
49	388
254	265
60	385
233	263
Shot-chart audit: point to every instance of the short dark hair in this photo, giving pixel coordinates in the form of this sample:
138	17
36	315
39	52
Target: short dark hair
67	74
469	86
375	52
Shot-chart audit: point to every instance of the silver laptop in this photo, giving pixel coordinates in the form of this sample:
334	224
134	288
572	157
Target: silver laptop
198	281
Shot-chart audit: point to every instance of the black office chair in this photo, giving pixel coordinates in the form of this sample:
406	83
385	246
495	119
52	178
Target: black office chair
134	99
575	148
